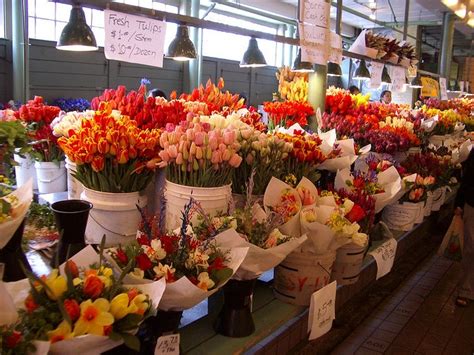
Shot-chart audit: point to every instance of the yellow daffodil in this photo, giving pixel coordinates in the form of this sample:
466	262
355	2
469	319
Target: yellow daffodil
56	283
94	317
142	303
120	307
63	331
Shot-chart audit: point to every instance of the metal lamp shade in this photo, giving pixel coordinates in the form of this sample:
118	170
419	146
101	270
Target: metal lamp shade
334	69
77	35
416	83
182	48
362	73
301	67
253	56
386	79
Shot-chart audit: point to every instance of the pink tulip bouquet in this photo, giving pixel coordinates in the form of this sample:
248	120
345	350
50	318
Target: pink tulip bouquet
196	155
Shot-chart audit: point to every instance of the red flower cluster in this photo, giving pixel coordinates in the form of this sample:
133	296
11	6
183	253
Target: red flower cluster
213	97
147	112
287	113
36	111
339	102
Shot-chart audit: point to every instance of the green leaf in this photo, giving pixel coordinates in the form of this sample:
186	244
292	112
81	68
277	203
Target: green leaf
115	336
131	341
129	322
223	274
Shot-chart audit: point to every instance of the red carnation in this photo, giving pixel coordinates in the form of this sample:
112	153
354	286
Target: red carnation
356	214
143	262
13	339
121	256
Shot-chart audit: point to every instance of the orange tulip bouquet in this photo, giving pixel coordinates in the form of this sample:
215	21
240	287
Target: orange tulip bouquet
112	154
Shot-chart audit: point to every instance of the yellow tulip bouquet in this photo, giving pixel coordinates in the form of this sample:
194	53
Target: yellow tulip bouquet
63	308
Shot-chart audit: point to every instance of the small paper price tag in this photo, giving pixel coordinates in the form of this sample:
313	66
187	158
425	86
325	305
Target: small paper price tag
167	344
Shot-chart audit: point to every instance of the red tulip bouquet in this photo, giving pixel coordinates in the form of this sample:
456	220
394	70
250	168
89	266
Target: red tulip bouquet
287	113
37	116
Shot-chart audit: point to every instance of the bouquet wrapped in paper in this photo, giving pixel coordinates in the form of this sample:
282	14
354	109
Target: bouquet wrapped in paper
81	306
14	206
190	262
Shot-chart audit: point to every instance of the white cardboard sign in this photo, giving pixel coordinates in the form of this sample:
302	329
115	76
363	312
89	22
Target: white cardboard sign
335	53
322	311
315	12
442	89
384	256
313	44
398	79
134	39
376	74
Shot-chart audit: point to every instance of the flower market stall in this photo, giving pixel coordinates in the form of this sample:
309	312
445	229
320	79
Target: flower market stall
237	198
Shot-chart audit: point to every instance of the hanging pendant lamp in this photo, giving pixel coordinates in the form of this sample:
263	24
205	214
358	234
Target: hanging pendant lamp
416	83
253	56
302	67
386	79
77	35
362	73
181	47
334	69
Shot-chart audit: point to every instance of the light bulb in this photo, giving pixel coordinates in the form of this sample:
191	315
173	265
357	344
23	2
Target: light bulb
372	15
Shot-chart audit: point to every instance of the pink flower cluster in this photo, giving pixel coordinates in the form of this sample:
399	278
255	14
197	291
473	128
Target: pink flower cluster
197	155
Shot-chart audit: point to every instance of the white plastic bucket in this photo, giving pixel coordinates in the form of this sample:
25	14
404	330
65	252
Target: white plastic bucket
348	264
74	186
213	200
421	210
51	177
25	170
428	204
401	217
114	214
301	274
438	198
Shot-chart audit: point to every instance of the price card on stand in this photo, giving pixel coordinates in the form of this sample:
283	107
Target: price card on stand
315	12
322	311
376	74
134	39
167	345
384	256
442	88
430	87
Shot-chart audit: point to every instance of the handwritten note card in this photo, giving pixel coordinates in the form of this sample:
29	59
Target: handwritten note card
167	345
322	311
335	53
376	74
134	39
398	79
384	256
313	44
315	12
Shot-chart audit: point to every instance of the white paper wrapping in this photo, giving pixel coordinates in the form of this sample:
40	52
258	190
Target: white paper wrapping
344	160
8	228
257	260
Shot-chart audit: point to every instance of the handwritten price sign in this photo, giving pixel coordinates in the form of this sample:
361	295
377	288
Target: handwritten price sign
134	39
313	44
167	345
322	311
384	256
315	12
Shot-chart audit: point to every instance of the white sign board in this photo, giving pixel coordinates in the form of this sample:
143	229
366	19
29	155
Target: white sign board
376	74
167	345
398	79
461	86
134	39
315	12
442	88
322	311
384	256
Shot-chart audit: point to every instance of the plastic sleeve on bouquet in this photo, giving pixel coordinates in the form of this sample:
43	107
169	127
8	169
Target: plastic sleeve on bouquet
8	228
257	260
183	294
85	345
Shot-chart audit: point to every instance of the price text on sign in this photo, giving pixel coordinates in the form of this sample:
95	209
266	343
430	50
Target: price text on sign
398	79
384	256
315	12
430	87
442	89
335	53
322	311
134	39
376	74
167	344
